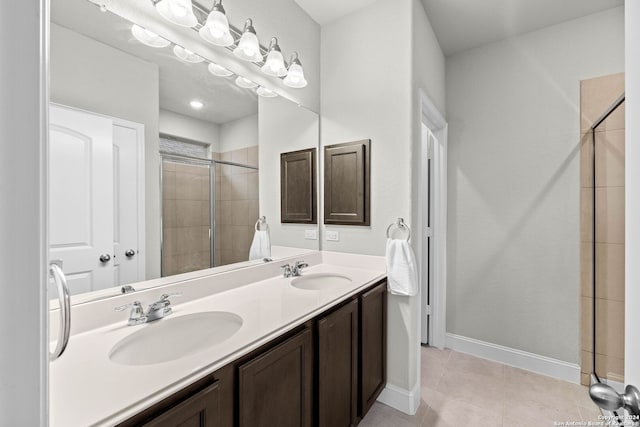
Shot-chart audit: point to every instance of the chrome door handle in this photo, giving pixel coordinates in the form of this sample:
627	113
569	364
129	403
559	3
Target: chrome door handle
65	311
105	258
129	253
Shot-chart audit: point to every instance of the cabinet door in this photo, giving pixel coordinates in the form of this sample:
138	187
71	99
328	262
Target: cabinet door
298	187
200	410
275	388
338	367
347	179
373	332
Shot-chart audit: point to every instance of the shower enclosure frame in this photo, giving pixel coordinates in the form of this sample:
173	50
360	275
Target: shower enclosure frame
594	376
193	160
199	161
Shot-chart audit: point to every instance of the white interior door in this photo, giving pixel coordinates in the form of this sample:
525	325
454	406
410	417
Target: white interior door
128	203
80	197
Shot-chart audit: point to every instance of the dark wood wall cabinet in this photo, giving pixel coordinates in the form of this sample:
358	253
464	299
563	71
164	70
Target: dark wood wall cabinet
326	372
298	187
347	182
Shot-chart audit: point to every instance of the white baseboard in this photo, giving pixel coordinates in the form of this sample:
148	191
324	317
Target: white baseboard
403	400
516	358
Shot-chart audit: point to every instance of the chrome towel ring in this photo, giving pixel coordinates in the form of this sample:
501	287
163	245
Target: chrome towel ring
262	221
400	224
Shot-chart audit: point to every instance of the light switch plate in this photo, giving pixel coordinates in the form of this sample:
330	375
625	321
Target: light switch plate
311	234
333	236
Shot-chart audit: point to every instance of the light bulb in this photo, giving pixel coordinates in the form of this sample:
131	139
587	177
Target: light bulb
245	83
248	47
295	76
186	55
148	38
274	64
219	70
216	29
179	12
267	93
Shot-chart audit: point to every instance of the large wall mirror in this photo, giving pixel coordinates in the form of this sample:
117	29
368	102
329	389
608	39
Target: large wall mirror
157	166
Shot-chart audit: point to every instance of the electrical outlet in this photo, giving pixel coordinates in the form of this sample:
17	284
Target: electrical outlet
333	236
311	234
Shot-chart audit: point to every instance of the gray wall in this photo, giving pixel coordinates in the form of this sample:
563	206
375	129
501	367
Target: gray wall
513	244
282	127
369	90
92	76
23	255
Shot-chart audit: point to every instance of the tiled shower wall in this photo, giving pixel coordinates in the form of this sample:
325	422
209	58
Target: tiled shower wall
185	217
236	207
596	95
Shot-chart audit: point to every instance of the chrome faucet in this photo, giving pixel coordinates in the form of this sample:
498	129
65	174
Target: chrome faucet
156	310
294	271
297	268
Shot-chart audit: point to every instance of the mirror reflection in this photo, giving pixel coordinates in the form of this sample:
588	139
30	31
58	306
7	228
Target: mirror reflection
155	162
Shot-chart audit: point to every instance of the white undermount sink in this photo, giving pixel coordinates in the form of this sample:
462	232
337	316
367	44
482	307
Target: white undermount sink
172	338
320	281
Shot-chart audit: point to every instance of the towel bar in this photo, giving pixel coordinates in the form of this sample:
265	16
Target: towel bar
401	225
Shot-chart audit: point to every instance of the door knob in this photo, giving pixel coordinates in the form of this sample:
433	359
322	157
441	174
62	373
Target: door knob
105	258
129	253
607	398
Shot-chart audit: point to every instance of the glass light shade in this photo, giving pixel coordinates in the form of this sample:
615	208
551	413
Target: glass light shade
248	47
245	83
274	64
295	76
186	55
267	93
219	70
148	38
179	12
216	29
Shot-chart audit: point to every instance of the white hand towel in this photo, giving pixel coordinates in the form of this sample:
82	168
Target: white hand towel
402	271
261	245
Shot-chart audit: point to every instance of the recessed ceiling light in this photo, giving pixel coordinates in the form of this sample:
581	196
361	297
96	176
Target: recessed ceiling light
196	105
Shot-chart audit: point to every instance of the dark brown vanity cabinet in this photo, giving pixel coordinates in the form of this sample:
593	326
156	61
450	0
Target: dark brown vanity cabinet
275	388
205	403
327	372
200	410
373	345
338	367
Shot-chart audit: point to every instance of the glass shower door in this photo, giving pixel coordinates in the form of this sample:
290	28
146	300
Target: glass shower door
186	216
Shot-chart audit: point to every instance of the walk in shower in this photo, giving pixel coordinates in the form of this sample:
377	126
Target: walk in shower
602	230
209	205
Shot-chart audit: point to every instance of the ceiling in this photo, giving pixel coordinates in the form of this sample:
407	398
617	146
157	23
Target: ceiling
179	82
327	11
464	24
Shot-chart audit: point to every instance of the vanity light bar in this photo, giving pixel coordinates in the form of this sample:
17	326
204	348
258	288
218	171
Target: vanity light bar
202	13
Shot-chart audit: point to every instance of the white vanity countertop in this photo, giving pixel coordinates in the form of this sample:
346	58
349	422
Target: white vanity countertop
88	389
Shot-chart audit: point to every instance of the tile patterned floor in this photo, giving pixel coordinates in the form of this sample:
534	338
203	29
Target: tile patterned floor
462	390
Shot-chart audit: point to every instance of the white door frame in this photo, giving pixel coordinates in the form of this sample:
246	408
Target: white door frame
433	120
